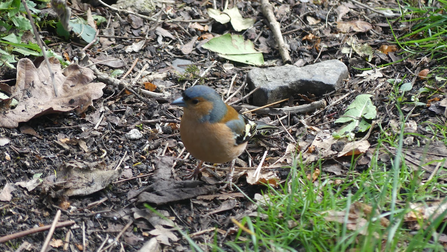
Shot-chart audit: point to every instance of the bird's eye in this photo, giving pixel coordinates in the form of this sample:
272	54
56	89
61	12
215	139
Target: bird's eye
195	101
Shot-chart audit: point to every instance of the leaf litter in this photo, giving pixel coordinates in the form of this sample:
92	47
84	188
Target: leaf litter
35	94
110	207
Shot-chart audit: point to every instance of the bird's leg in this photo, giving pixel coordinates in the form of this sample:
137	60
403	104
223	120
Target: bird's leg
194	174
230	176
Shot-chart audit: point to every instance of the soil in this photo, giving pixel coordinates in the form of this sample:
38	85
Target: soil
151	169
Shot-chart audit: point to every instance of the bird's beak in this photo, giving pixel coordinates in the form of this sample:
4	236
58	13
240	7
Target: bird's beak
179	102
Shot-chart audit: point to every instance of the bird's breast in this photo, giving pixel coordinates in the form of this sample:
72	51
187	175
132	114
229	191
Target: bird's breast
210	142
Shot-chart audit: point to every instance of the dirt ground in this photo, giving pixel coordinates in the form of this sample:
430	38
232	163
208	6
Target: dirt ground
152	167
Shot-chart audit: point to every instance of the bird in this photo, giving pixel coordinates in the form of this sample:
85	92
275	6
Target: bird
211	130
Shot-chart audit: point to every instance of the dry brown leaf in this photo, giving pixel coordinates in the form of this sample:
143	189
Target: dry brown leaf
80	178
426	210
356	218
265	177
163	235
188	47
423	74
206	36
356	25
388	48
354	148
342	10
312	21
150	86
5	193
198	27
56	243
321	146
35	93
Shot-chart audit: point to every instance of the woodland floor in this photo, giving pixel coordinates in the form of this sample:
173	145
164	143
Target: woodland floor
51	143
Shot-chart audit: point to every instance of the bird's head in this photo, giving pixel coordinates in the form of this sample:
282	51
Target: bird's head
202	103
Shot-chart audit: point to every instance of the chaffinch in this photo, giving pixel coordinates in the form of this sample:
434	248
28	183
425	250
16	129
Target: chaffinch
211	130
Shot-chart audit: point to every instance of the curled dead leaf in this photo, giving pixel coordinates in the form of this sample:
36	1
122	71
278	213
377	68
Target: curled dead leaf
36	95
423	74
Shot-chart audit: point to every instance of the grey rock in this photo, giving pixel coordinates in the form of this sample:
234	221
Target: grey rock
282	82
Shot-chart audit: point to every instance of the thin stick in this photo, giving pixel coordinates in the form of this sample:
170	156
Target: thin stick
131	68
257	172
205	72
237	91
245	97
67	240
231	84
34	230
267	11
50	233
265	106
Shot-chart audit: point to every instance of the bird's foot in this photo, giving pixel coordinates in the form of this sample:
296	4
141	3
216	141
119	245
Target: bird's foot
195	173
229	182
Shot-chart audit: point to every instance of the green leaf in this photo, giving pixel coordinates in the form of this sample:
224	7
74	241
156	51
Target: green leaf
21	22
231	15
99	19
233	47
406	87
116	73
81	28
60	30
7	59
237	21
357	115
6	5
26	51
13	38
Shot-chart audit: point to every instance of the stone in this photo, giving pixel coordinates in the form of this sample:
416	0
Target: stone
277	83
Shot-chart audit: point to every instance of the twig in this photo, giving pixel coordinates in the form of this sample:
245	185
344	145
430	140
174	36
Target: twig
103	243
205	72
257	172
83	237
231	84
332	103
121	161
246	96
67	240
130	69
34	230
39	42
266	106
237	91
267	10
118	236
50	233
93	41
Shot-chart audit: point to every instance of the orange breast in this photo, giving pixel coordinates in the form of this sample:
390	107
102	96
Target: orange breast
214	143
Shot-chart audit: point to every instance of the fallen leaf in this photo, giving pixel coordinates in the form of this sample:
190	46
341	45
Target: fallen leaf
36	95
163	235
423	74
188	47
150	86
427	210
5	194
354	148
56	243
388	48
80	178
265	177
356	25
